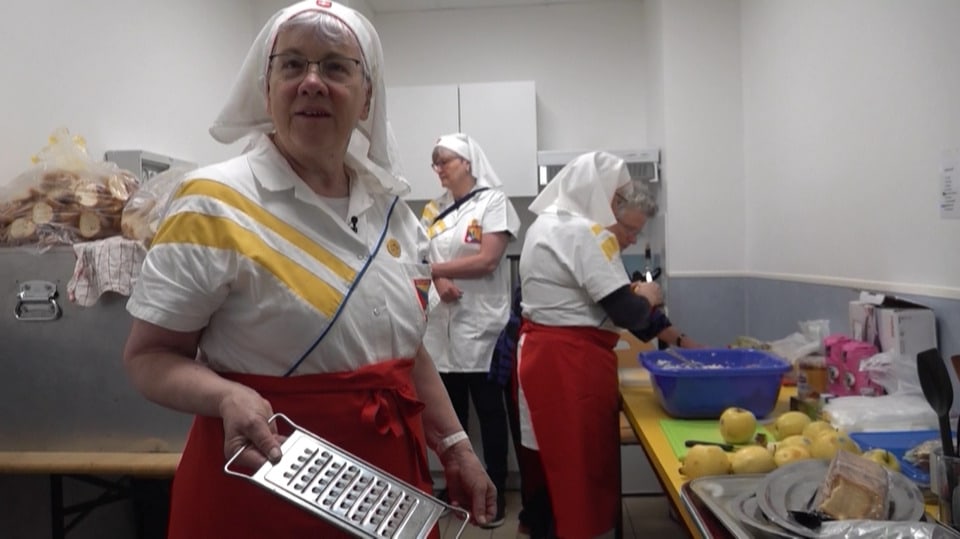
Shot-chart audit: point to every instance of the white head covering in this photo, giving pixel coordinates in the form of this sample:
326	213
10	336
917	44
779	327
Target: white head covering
585	187
467	148
246	112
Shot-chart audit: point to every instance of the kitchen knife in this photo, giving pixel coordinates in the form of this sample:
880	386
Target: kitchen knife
691	443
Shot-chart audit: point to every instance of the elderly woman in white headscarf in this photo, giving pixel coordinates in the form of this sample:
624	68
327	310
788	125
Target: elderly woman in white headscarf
286	280
576	293
469	227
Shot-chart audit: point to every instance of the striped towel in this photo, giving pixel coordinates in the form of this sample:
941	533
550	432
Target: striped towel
108	265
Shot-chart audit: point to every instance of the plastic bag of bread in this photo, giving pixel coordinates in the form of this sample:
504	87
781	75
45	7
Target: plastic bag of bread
854	488
65	197
146	208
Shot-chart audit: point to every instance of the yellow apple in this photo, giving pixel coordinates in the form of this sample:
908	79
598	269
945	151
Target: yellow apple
814	429
737	425
752	459
789	424
827	445
796	439
702	460
883	458
791	453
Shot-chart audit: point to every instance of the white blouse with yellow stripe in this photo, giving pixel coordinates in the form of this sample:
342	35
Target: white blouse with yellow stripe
461	335
567	265
259	262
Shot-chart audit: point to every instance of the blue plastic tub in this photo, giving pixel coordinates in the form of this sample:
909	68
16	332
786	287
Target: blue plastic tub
723	378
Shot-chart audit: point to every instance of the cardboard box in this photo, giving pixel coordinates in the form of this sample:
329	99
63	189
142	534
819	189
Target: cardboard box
628	349
893	324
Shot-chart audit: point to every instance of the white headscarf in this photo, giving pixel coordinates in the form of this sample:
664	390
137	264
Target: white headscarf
246	110
585	187
467	148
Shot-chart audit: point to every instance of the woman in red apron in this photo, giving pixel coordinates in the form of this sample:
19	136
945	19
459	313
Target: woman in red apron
291	280
576	294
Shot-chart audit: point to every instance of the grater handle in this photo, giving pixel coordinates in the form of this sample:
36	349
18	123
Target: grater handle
463	521
226	467
463	512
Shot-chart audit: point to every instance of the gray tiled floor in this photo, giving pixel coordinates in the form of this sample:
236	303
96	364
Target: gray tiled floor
643	516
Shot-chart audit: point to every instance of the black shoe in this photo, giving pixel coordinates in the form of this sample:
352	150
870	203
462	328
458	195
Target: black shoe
501	513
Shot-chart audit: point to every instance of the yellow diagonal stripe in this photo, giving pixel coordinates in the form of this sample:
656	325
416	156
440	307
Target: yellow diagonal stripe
430	211
230	196
437	228
222	233
610	247
596	229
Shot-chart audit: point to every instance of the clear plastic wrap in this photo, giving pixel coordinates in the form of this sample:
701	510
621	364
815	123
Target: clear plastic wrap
853	488
896	373
807	341
65	197
145	209
882	529
883	413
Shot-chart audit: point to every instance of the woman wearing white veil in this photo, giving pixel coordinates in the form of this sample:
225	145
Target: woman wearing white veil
287	280
575	295
469	227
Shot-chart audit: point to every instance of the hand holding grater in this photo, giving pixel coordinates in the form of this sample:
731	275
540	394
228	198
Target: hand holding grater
346	491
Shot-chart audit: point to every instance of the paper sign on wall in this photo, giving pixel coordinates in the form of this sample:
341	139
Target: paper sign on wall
950	184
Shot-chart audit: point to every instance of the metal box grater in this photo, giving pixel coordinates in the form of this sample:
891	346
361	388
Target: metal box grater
355	496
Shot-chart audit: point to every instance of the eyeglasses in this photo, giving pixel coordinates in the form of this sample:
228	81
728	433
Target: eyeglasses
336	69
439	164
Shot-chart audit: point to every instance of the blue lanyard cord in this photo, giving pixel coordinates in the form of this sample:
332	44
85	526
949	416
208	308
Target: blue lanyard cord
353	286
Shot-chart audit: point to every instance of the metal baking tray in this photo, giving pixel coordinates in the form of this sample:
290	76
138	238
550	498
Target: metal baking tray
347	492
716	492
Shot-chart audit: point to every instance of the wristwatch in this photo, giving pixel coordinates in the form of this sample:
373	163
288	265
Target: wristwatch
680	339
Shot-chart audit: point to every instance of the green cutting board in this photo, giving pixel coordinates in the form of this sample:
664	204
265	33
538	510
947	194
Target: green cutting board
679	431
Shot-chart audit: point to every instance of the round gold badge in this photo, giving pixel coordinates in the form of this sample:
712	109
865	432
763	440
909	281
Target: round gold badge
393	247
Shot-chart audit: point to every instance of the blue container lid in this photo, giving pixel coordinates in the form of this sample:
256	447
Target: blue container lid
898	443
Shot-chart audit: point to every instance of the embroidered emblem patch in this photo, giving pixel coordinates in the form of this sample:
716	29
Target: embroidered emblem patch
324	4
393	247
423	292
474	233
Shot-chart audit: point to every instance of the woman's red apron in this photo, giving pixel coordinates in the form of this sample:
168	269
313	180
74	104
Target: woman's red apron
569	380
373	413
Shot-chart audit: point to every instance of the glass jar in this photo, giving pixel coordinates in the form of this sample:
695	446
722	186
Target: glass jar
811	377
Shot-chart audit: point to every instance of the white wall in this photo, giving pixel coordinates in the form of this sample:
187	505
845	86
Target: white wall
124	75
587	61
847	106
702	135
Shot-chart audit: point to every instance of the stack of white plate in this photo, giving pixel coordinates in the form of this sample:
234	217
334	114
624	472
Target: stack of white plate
792	488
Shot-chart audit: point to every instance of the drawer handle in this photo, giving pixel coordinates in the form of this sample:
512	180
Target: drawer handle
37	302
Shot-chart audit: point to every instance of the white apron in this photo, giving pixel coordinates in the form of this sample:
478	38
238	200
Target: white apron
461	336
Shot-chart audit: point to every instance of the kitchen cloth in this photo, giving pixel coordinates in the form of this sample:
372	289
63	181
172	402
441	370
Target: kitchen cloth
108	265
679	431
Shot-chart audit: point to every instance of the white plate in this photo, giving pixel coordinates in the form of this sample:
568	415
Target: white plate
793	486
745	509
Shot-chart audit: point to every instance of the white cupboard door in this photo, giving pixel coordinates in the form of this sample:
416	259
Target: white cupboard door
419	115
502	118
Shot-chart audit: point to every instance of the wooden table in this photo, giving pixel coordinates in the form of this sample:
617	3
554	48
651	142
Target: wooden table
134	469
56	462
644	413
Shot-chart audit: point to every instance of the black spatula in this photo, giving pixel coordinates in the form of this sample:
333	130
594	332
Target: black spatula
937	389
